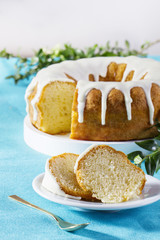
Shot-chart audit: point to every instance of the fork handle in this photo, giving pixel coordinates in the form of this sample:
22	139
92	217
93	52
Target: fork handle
18	199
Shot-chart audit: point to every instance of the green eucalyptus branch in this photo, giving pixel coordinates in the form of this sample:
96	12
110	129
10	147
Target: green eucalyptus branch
147	44
26	68
151	160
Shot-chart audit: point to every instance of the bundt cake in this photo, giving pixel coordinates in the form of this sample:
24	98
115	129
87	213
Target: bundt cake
103	98
60	178
108	174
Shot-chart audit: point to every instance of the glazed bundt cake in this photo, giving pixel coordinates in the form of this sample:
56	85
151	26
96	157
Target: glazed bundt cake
116	98
60	177
109	175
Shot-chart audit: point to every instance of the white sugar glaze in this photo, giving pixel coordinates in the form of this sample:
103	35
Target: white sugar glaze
80	70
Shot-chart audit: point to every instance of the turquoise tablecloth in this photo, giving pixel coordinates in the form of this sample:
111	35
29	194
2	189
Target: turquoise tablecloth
18	167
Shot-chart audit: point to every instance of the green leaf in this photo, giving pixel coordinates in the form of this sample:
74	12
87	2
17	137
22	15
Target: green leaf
108	45
10	76
149	145
157	138
157	166
150	165
145	45
142	46
127	44
156	157
131	156
116	44
5	54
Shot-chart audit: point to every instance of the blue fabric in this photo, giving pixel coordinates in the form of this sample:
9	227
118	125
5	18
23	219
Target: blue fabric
18	167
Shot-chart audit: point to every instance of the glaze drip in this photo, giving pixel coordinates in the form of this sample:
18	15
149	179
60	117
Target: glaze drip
105	87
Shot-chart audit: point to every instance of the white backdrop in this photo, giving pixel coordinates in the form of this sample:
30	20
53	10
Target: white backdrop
30	24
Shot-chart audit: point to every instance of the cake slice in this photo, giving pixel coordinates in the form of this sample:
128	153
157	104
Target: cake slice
108	174
60	177
52	112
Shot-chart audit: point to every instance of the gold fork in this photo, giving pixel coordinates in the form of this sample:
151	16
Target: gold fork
61	223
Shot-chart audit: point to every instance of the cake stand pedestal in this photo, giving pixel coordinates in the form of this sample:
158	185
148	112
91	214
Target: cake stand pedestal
56	144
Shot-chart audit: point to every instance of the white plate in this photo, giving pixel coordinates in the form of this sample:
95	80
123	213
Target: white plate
150	194
56	144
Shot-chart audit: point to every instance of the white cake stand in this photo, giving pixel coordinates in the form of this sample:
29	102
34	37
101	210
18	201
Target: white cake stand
56	144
